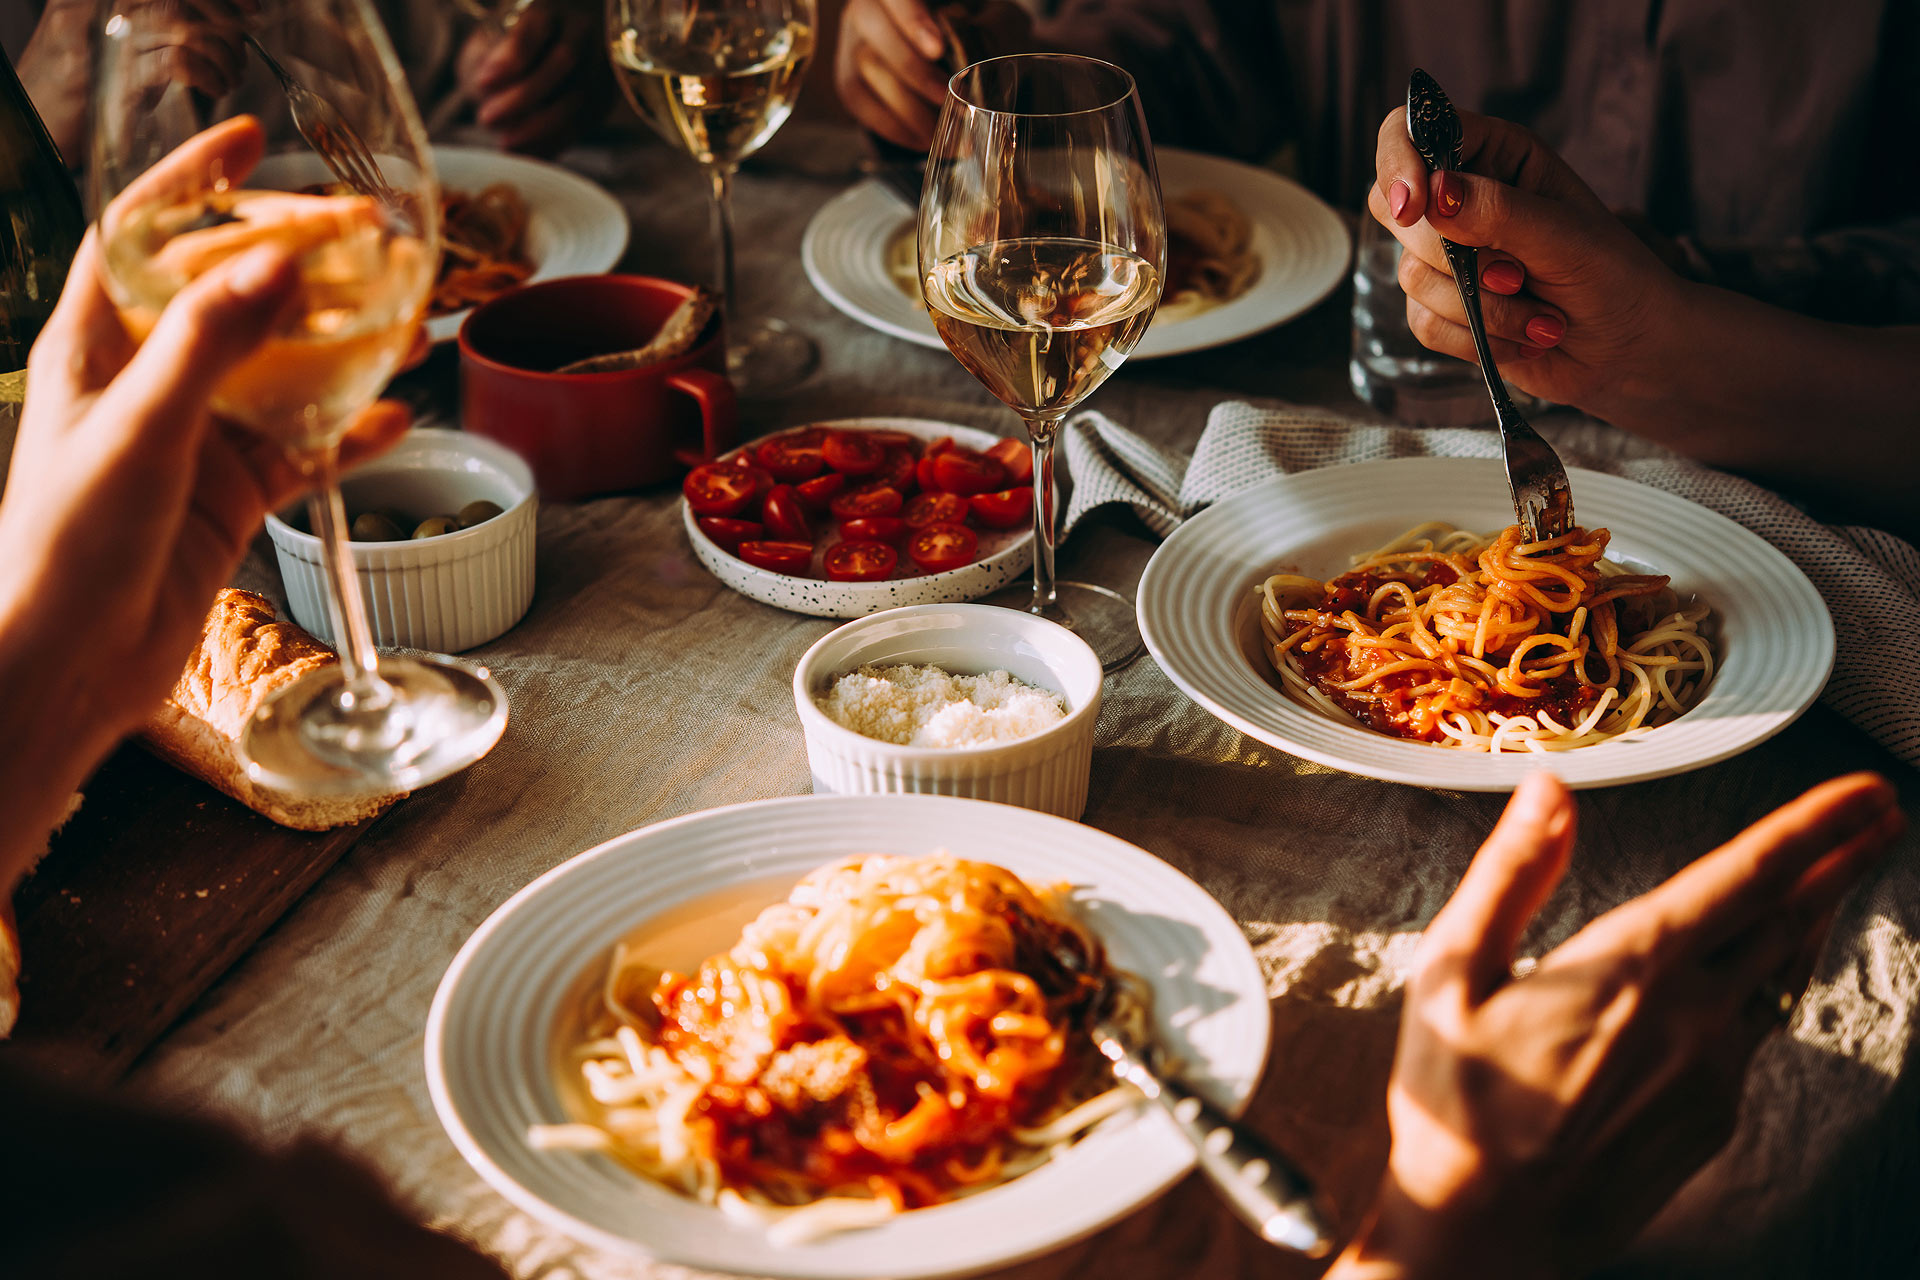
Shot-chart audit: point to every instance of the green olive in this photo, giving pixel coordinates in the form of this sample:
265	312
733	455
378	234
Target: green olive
478	511
434	526
371	526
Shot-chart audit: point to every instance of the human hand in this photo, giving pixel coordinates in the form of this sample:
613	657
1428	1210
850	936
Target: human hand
1576	305
543	81
1539	1122
891	67
129	503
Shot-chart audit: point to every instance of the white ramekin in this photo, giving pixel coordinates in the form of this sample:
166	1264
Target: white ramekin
1047	771
442	594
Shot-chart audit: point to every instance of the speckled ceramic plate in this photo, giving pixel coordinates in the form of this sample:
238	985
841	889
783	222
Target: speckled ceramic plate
1005	554
1201	619
683	889
1303	246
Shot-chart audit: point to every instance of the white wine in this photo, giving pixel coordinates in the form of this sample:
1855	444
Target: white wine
1041	322
361	292
718	85
40	223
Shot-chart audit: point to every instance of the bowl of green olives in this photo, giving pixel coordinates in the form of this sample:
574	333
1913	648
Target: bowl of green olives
441	530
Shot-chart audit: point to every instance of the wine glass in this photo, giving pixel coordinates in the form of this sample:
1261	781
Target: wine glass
717	78
1042	246
183	181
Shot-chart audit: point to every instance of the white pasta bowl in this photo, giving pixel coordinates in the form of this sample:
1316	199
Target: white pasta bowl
443	594
1047	771
681	890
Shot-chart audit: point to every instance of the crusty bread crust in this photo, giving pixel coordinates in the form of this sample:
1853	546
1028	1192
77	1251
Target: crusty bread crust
244	654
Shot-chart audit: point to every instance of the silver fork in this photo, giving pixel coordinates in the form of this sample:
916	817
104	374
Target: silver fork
1541	498
1257	1182
328	133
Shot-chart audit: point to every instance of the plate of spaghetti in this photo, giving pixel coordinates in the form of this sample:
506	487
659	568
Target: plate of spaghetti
1657	638
1246	250
838	1036
508	220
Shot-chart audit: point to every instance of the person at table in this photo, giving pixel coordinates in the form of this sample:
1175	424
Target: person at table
1753	144
1581	312
536	86
1537	1122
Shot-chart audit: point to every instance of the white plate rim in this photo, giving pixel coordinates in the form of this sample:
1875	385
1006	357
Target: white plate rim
1150	1126
1269	198
1368	754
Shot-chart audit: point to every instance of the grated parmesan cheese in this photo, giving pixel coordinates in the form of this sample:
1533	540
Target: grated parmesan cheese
912	706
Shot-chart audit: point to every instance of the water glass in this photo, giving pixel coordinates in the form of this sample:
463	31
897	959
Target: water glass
1389	368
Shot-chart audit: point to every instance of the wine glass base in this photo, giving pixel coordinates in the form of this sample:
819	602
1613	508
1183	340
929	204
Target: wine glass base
770	357
444	716
1104	619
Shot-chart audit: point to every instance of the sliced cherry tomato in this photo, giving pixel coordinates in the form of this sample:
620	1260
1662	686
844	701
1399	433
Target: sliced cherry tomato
888	439
900	468
936	508
941	445
874	500
860	561
730	533
789	459
964	471
940	547
923	472
873	529
784	517
853	453
1007	509
717	489
1017	457
779	557
817	492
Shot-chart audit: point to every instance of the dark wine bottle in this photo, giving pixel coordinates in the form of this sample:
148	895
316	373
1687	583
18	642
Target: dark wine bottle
40	222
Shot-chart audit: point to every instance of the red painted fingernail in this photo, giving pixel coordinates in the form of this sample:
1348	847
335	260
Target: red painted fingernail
1449	193
1502	276
1397	196
1546	330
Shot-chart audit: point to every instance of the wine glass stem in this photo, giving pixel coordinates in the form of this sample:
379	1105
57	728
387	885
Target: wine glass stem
721	178
1043	432
362	688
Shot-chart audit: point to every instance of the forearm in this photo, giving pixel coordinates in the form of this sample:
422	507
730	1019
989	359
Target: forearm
1822	410
56	68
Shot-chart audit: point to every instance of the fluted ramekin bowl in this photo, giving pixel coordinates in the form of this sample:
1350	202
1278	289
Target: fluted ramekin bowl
443	594
1046	771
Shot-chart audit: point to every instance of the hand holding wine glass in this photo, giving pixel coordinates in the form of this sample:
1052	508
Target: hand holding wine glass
1042	246
180	201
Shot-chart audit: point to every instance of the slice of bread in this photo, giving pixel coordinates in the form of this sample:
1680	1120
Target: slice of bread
244	654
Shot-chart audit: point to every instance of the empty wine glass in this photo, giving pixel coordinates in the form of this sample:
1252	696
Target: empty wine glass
717	78
1042	245
183	181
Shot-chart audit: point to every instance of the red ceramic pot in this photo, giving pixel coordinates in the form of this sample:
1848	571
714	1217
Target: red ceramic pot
588	433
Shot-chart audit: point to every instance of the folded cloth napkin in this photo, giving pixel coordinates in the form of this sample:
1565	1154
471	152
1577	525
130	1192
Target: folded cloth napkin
1870	579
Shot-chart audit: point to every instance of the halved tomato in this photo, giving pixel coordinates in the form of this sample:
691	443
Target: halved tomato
816	493
873	528
730	533
900	468
1016	456
964	471
779	557
784	517
940	547
860	561
888	439
936	508
874	500
791	459
717	489
1007	509
853	453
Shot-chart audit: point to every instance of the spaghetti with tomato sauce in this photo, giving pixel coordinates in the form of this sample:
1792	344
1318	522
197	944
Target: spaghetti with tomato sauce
1489	643
898	1032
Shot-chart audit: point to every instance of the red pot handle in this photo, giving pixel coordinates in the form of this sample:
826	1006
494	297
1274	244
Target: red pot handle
719	416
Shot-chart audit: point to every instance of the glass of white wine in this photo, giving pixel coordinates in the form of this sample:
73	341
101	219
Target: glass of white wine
182	183
1042	246
717	78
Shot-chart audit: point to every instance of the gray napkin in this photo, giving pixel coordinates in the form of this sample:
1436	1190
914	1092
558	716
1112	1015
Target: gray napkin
1869	579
